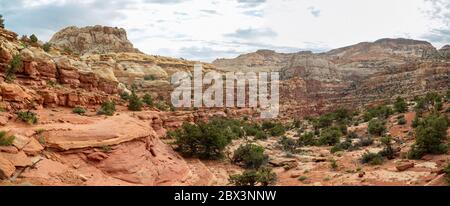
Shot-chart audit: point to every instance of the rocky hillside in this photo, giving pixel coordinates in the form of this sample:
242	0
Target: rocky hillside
350	76
64	122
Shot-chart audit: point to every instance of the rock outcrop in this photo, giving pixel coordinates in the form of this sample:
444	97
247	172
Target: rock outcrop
93	39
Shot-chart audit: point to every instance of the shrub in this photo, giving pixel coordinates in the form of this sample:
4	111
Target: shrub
447	171
325	120
33	38
415	122
12	68
274	129
341	146
79	110
148	100
4	140
352	135
343	128
252	156
261	135
372	158
448	109
67	50
307	139
387	151
364	142
125	96
28	117
205	140
47	46
252	129
297	123
438	105
162	106
107	108
401	121
376	127
233	127
330	136
381	112
333	164
430	136
263	176
134	102
266	125
277	130
106	148
448	95
287	144
149	77
400	105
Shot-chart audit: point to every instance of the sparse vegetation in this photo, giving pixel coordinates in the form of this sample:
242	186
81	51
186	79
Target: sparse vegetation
125	96
372	158
274	129
307	139
163	106
400	105
447	171
401	121
365	142
206	140
330	136
149	77
376	127
288	144
79	110
47	46
134	102
107	108
263	176
387	151
250	155
381	112
148	100
28	117
431	134
12	68
252	129
345	145
106	148
261	135
6	140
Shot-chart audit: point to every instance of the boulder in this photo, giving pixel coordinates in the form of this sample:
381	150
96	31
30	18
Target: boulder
97	156
9	149
402	166
33	147
20	141
18	160
7	169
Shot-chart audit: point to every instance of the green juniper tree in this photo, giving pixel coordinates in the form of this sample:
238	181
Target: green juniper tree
33	38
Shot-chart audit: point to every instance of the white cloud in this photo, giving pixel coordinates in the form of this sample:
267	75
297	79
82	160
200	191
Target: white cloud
205	30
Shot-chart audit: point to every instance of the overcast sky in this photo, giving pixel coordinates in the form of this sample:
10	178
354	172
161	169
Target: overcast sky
209	29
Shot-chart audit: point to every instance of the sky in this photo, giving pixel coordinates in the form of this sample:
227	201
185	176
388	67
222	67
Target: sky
208	29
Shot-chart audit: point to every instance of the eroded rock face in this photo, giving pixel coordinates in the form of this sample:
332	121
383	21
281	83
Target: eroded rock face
93	39
352	76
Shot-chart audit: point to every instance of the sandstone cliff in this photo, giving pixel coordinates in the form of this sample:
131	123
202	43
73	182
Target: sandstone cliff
93	39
